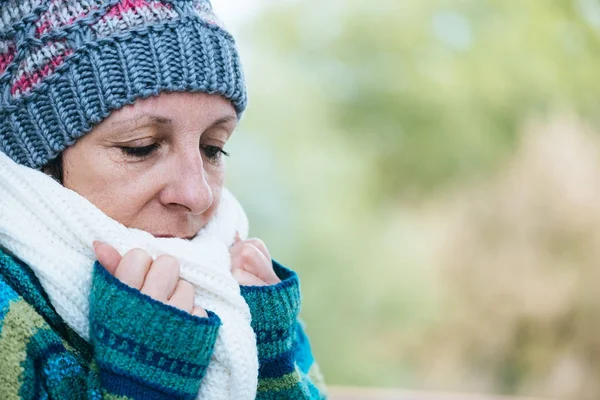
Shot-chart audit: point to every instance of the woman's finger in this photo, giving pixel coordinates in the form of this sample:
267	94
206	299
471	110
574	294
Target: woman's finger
199	312
251	259
133	268
162	278
244	278
107	256
260	245
183	296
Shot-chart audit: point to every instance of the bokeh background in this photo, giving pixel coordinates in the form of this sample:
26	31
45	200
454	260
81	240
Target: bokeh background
431	168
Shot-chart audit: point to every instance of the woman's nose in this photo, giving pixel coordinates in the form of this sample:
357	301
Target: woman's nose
188	186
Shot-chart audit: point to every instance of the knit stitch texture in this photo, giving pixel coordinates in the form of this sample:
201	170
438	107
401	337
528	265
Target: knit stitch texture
140	358
51	228
66	64
126	347
286	366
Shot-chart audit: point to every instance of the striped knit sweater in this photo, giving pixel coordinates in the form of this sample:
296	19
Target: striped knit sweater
141	348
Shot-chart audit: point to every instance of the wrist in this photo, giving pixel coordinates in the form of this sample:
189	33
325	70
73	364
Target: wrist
274	310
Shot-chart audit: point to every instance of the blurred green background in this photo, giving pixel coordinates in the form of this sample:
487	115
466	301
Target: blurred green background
431	170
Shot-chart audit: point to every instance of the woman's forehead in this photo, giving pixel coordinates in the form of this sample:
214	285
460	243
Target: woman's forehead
174	109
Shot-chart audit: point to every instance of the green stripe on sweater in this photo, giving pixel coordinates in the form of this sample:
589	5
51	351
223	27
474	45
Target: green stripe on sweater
20	323
284	382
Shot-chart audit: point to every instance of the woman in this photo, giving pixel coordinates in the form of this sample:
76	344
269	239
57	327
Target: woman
125	271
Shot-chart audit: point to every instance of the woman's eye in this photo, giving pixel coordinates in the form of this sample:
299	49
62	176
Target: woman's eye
140	152
213	152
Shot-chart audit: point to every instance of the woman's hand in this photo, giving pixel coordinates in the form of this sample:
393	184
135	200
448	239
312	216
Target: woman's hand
251	263
158	278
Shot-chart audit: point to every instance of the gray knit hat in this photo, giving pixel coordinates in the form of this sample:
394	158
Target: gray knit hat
66	64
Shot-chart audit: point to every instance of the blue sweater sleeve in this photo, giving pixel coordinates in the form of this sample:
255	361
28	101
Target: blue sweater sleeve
145	349
286	366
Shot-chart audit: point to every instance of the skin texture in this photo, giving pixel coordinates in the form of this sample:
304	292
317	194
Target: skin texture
172	191
158	165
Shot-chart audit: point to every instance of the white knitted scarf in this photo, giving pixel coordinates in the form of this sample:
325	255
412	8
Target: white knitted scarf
51	228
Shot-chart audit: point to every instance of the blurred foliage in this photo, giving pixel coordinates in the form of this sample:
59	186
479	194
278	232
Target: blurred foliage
519	260
374	159
433	90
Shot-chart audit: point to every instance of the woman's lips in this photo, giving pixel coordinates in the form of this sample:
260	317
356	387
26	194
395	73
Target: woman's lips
173	236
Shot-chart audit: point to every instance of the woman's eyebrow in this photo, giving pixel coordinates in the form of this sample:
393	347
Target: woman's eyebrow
146	118
223	120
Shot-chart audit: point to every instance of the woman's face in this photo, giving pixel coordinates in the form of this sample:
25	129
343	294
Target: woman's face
156	165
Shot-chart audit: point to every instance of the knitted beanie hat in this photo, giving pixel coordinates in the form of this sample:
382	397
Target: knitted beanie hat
66	64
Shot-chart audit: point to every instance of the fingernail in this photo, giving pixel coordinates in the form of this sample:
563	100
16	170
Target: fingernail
96	243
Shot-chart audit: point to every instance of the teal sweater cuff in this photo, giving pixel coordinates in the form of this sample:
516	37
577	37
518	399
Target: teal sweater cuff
274	311
140	343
